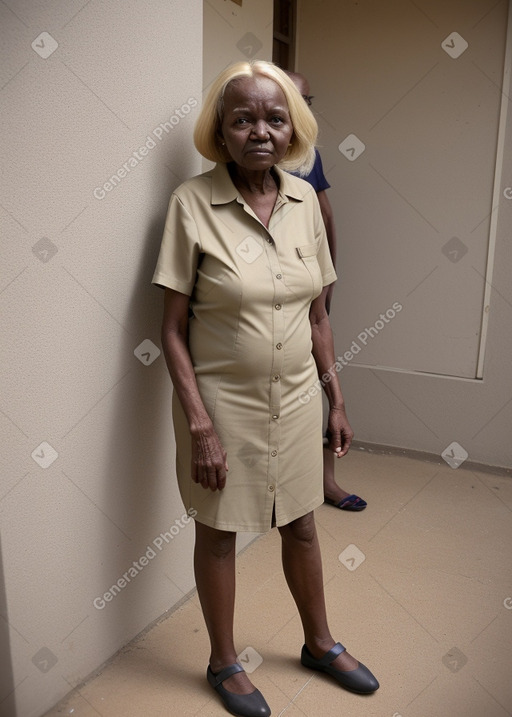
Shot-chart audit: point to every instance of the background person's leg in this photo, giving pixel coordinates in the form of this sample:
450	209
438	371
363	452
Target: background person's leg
333	494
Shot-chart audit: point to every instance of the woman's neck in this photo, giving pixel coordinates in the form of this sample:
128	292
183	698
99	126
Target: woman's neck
264	182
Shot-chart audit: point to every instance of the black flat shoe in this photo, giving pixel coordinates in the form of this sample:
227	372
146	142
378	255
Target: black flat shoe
251	705
359	680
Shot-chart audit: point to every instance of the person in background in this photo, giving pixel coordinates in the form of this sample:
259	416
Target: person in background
333	494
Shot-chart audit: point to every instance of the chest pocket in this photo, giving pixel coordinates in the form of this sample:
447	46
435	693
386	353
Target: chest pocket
307	254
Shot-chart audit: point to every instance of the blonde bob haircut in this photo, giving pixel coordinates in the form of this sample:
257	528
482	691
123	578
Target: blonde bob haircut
299	157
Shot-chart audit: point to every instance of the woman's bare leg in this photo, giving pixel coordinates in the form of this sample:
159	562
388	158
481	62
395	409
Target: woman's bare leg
302	565
214	565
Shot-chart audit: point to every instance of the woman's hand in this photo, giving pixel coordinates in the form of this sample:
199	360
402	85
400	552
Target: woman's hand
339	432
209	464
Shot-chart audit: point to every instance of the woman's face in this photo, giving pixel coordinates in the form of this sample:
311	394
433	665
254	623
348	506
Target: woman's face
256	125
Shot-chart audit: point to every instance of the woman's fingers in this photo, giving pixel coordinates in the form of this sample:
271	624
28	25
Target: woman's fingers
209	464
339	432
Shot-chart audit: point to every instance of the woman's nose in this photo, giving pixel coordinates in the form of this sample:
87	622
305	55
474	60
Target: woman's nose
260	130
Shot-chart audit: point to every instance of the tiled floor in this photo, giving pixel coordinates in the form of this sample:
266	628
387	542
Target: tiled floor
429	609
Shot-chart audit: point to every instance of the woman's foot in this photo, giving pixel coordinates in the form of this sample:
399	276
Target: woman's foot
343	662
336	663
239	683
251	704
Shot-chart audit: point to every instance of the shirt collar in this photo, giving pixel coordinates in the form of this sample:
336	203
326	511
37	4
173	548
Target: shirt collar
224	191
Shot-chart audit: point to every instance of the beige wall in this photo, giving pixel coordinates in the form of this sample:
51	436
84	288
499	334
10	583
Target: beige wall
429	122
233	33
76	305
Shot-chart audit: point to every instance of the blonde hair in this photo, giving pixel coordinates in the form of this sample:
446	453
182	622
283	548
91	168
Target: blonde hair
299	157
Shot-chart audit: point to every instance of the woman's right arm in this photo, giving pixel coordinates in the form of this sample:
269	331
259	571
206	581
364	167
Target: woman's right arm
209	463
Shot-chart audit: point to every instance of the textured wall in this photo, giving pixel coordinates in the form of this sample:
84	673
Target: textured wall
98	104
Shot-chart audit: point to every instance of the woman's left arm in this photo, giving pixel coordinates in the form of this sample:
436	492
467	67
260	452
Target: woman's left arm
339	432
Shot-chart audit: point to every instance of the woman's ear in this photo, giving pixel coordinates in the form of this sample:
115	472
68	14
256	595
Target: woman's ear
221	144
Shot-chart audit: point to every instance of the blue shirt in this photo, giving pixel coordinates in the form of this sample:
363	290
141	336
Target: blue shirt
316	177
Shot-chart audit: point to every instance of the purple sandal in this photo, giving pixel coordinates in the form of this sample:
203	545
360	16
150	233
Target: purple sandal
351	502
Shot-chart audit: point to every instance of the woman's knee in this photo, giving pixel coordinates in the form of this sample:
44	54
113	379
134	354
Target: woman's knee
302	530
217	543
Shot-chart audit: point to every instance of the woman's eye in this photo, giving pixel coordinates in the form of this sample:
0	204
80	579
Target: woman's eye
241	120
277	119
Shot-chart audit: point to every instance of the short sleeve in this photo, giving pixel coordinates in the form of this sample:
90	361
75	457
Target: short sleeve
179	252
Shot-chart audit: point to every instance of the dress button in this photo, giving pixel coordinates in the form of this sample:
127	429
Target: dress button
269	240
275	417
271	488
279	276
274	454
276	378
278	307
279	346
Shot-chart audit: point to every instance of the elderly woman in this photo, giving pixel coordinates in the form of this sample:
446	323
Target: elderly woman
245	266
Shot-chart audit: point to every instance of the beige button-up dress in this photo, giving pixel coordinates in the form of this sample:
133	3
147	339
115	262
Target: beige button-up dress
250	293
